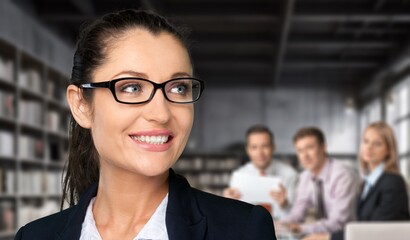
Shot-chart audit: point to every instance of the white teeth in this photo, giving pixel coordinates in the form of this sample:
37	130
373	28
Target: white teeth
151	139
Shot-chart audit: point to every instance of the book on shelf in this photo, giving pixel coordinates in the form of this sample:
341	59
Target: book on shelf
6	216
7	108
6	69
31	182
53	186
30	112
30	147
6	144
7	180
30	79
51	88
53	121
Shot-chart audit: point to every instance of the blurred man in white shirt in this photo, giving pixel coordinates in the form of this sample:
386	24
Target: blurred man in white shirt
260	147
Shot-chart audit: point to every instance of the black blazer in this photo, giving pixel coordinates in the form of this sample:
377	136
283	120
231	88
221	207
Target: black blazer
386	201
191	215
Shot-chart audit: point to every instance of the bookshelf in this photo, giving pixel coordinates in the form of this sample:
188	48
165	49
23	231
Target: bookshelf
34	119
209	172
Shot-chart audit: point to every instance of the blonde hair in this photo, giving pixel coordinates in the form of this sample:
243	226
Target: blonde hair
387	134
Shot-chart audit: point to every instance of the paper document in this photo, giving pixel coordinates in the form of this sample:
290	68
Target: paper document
255	189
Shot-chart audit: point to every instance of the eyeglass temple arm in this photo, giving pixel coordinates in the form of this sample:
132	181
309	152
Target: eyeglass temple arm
95	85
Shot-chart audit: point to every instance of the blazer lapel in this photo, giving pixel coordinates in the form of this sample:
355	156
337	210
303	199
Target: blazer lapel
183	218
72	229
375	187
372	191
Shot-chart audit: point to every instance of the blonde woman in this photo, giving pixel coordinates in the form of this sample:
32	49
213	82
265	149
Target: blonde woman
384	193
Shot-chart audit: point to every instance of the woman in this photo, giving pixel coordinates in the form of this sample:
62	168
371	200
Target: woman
384	194
127	132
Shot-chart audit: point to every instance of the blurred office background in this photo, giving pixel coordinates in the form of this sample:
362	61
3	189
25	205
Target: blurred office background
335	64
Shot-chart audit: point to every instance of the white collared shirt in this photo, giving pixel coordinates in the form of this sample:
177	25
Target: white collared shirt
371	179
154	229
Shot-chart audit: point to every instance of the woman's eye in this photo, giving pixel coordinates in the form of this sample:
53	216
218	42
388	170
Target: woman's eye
179	89
131	88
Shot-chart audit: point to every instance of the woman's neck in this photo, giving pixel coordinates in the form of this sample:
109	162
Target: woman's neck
126	201
373	166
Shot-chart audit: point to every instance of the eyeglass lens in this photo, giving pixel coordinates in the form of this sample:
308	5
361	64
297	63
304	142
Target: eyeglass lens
178	90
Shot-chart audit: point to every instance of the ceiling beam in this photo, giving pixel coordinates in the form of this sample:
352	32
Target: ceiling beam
327	64
337	44
264	66
148	5
260	19
387	75
85	6
234	66
376	17
281	51
154	5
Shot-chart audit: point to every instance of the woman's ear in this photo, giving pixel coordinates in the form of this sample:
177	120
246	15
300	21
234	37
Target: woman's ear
78	106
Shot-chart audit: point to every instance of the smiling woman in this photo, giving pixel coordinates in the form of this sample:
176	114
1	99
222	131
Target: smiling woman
125	136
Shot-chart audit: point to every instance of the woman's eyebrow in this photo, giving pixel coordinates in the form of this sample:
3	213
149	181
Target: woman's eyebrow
132	73
181	74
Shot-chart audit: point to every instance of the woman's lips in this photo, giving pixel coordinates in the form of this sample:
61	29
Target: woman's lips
154	140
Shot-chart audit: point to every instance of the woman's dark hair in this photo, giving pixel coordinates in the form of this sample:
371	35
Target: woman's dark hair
82	168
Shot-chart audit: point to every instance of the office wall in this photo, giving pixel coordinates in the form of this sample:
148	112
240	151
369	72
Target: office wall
222	116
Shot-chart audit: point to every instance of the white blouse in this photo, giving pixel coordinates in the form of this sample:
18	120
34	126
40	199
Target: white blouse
154	229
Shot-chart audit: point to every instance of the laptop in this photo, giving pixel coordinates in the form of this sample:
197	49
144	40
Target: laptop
378	231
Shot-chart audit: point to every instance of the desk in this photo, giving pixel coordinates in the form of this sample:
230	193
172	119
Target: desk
283	233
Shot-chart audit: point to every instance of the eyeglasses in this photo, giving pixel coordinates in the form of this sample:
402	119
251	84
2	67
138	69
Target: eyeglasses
139	90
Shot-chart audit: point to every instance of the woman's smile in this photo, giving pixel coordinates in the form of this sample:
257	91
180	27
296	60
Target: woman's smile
153	140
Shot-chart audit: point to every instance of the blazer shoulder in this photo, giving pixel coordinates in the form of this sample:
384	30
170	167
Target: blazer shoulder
392	180
46	227
208	201
235	219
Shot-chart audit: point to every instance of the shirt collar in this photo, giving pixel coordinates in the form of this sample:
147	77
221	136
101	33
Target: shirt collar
269	169
375	174
324	173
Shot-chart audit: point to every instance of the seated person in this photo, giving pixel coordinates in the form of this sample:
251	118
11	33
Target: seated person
326	185
260	147
384	194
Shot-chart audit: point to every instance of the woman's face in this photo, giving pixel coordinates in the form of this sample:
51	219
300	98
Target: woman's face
123	133
373	148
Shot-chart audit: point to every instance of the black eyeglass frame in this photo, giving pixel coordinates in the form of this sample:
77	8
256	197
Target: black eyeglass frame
111	85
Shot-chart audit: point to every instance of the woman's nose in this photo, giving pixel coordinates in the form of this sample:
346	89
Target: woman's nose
157	109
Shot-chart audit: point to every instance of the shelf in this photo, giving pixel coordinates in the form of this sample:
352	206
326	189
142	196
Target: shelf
55	103
54	196
27	196
31	94
35	107
27	127
8	159
6	85
7	123
55	164
215	186
34	162
7	196
55	134
7	234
